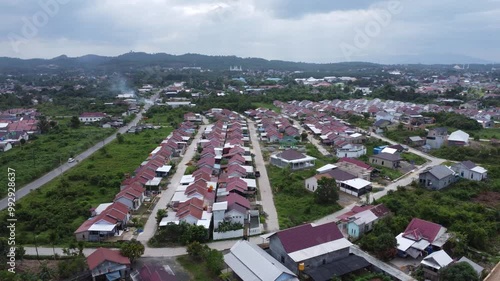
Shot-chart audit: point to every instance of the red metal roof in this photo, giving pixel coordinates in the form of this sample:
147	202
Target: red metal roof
103	254
306	236
421	229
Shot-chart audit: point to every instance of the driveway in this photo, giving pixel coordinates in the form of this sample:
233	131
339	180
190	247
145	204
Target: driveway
21	192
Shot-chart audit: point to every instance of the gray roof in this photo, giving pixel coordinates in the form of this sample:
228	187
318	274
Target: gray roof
252	263
479	269
339	175
416	138
440	171
388	156
469	164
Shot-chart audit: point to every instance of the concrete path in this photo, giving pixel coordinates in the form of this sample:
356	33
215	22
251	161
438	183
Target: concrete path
21	192
265	190
166	195
388	269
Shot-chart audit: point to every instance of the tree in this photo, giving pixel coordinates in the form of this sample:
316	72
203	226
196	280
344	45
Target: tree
22	141
132	250
43	124
327	192
119	138
303	136
196	250
385	246
74	122
160	214
215	261
460	271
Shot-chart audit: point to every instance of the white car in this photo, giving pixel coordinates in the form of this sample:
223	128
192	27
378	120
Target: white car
71	160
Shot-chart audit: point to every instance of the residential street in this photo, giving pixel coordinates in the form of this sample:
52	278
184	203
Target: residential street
166	195
266	193
21	192
311	139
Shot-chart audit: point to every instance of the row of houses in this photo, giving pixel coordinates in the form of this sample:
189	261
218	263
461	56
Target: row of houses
110	219
441	176
17	124
217	192
273	127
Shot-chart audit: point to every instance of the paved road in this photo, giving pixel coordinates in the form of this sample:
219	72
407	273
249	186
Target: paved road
21	192
265	190
312	140
166	196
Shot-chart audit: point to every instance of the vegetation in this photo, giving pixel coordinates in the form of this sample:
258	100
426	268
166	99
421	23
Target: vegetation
457	208
460	271
45	152
382	240
204	262
226	226
62	205
360	121
401	136
165	115
178	234
294	204
132	250
327	191
454	120
411	157
270	106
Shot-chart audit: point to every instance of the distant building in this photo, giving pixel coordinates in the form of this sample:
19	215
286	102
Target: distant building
436	137
91	117
469	170
458	138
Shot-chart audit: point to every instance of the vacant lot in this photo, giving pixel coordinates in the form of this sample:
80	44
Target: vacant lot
39	156
58	208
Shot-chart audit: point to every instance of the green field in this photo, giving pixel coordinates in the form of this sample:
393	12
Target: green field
295	205
48	151
267	105
61	205
418	160
197	269
493	133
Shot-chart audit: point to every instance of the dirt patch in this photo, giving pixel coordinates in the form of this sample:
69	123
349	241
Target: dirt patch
34	265
489	198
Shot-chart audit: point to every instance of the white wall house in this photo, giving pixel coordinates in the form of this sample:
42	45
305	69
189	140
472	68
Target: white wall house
351	151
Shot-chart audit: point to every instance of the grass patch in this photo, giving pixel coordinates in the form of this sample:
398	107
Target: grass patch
268	106
492	133
409	157
198	269
387	172
46	152
401	136
63	204
294	204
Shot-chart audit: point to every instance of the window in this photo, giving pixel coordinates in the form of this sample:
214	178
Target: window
282	259
324	261
382	162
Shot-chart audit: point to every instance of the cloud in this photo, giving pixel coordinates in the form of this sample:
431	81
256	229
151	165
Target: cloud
313	30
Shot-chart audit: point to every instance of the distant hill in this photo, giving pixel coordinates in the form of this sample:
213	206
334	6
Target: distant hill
130	60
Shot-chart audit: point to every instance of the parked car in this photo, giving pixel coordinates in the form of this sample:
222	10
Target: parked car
257	174
71	160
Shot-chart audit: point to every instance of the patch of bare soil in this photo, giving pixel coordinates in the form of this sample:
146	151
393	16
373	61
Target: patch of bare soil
489	198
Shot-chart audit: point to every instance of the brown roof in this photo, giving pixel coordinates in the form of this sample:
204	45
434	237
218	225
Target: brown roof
388	156
103	254
291	154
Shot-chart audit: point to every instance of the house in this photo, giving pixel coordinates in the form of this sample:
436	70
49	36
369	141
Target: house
107	220
194	212
5	146
432	263
88	117
311	183
469	170
351	151
437	177
356	167
420	238
250	262
386	160
107	264
309	244
415	141
361	219
292	158
458	138
131	196
436	137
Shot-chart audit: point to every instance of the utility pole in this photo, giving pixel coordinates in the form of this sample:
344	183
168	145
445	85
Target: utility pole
36	248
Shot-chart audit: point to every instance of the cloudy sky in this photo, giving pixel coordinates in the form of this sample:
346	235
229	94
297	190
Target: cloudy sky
297	30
